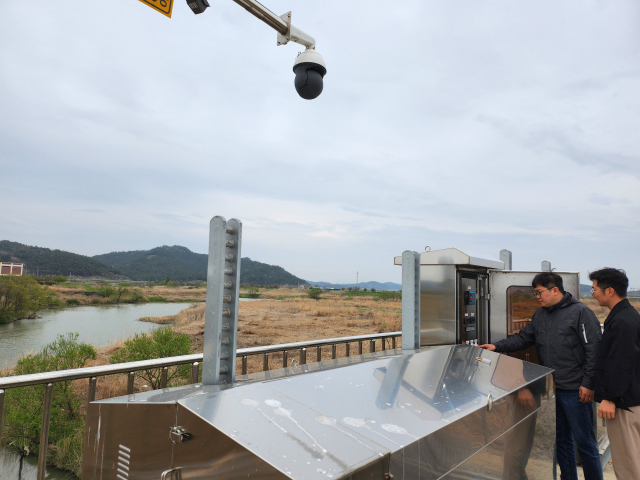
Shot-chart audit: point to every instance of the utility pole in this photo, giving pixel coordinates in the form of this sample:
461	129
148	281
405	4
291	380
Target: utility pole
357	281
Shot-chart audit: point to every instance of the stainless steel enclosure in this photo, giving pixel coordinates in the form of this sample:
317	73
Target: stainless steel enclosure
471	299
440	412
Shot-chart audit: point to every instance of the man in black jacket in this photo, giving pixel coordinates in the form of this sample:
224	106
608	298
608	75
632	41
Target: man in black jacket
617	385
566	334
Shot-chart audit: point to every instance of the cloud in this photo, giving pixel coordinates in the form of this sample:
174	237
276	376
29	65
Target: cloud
463	124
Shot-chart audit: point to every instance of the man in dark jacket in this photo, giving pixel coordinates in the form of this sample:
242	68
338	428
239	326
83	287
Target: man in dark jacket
618	371
566	334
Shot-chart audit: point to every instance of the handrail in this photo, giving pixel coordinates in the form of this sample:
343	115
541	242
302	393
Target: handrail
102	370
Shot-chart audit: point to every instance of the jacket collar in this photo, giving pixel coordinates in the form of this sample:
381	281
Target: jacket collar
566	300
619	306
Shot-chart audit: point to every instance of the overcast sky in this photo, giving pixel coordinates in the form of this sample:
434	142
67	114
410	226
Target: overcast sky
470	124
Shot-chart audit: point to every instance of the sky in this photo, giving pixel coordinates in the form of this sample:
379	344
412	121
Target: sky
461	123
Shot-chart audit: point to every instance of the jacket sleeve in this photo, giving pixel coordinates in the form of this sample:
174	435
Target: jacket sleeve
618	369
590	333
521	340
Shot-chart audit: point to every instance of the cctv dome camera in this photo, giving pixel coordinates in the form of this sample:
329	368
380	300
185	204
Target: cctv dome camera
310	69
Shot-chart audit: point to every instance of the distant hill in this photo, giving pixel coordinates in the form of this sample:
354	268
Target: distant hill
181	264
54	262
369	285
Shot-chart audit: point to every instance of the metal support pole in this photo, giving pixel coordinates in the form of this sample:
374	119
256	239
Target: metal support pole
265	362
333	351
507	257
92	391
195	371
164	378
221	312
393	343
318	353
303	356
410	300
348	349
384	344
285	359
44	431
372	346
132	376
1	409
244	365
359	347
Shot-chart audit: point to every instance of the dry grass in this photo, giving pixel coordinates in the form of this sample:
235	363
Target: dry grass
171	294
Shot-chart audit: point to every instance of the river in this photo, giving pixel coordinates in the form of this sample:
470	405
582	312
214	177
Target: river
98	326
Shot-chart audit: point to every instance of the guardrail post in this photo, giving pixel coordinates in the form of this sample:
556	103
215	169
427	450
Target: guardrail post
410	300
221	311
164	377
265	362
244	365
348	349
359	347
393	343
92	391
132	376
44	430
333	351
195	370
303	356
384	344
285	358
372	346
1	409
319	353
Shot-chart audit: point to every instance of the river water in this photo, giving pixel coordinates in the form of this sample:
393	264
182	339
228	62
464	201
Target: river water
98	326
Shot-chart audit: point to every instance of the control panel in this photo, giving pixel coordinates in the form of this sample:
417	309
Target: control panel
468	309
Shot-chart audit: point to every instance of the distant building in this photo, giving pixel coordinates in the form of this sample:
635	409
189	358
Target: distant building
10	268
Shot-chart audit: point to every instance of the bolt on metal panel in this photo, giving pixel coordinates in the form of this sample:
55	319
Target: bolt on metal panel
410	300
221	313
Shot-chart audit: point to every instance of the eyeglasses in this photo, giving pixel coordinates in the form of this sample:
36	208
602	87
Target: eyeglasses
593	291
539	293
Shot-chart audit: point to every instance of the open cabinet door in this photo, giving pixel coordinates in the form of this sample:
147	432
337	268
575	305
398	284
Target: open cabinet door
513	303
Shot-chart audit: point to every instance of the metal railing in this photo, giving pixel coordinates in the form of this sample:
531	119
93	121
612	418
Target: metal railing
92	373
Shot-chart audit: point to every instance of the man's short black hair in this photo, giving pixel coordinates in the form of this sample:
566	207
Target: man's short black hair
611	278
548	280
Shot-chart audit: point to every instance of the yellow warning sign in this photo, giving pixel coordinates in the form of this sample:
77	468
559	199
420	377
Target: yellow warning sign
163	6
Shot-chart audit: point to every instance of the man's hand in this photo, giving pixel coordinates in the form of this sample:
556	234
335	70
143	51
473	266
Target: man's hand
525	397
607	410
585	394
488	346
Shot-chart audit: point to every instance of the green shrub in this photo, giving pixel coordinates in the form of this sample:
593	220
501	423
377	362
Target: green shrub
20	297
389	295
254	292
163	342
136	296
107	290
73	301
314	293
23	407
125	284
157	299
59	279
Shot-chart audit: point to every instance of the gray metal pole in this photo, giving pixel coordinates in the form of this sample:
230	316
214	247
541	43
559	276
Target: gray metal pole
410	300
507	257
44	431
1	410
221	312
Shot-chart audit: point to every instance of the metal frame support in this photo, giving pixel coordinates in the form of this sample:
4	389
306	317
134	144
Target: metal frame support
1	409
44	430
410	300
221	313
507	257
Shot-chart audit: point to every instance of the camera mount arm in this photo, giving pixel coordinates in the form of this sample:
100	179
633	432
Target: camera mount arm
282	24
